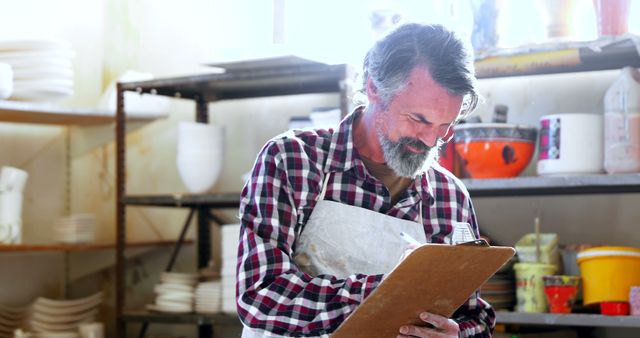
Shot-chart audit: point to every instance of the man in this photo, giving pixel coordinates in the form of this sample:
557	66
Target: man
322	212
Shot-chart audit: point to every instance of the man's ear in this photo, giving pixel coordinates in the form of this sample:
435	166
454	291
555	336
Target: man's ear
372	92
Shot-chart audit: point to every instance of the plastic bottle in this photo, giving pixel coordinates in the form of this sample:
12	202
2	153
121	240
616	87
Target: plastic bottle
622	123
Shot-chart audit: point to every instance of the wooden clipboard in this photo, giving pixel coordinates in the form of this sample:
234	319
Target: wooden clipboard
435	278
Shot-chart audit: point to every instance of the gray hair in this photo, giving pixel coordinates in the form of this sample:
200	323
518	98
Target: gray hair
450	62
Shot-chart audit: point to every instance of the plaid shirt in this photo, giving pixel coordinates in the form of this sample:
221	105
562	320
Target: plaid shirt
272	293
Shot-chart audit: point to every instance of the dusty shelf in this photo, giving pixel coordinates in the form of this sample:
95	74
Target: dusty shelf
220	201
39	113
554	185
592	320
78	247
173	318
604	54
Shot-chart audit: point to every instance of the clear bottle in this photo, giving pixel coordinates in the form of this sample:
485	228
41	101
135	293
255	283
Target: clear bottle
622	123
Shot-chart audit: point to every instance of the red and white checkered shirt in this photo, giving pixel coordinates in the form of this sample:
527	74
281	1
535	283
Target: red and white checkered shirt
273	294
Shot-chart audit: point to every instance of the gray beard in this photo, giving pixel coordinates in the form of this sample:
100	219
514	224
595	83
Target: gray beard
403	162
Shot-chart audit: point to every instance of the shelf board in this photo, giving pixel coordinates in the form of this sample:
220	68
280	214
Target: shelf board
550	319
38	113
171	318
78	247
603	54
554	185
503	317
288	77
213	201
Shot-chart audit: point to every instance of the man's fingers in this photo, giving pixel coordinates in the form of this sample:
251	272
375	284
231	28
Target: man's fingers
422	332
441	323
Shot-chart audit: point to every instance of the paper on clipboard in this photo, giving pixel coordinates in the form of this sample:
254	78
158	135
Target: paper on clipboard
434	278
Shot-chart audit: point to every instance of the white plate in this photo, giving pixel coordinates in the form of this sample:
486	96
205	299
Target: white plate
166	287
42	83
66	53
57	335
46	327
172	297
59	319
22	64
157	308
42	94
33	44
51	303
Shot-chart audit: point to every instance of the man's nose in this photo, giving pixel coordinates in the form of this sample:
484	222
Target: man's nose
429	137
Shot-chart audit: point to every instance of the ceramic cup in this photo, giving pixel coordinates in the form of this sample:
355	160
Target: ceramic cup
571	144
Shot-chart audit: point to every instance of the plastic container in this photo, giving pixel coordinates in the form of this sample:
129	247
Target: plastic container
614	308
608	273
549	253
622	123
530	293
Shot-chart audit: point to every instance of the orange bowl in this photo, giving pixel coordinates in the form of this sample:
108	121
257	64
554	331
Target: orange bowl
494	150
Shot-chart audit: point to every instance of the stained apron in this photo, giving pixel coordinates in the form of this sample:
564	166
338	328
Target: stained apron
342	240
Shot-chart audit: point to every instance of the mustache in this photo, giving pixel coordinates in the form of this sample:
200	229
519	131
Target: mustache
412	142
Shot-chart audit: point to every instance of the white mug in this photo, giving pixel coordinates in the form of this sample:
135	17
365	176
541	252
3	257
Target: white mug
91	330
10	207
13	179
571	144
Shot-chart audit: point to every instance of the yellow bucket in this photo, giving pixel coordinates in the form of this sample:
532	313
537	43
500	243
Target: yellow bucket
608	272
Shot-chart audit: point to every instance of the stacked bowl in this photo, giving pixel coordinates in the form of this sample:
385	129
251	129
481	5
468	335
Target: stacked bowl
57	318
200	152
208	297
42	68
174	293
74	229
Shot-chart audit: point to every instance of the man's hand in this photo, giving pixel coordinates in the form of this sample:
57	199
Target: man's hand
442	327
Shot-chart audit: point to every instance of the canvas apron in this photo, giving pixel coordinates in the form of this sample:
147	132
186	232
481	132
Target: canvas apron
342	240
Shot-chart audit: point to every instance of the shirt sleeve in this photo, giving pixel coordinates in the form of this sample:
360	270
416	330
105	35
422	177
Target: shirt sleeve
273	295
476	318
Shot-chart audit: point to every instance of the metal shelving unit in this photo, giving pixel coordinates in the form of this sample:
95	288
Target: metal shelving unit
295	76
283	76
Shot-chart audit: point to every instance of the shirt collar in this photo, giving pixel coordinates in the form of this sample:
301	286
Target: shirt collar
342	156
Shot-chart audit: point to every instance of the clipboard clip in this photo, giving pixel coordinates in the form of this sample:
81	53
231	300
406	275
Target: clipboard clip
477	242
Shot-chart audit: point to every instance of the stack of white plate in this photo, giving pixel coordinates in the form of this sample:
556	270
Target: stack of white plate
230	234
61	318
78	228
6	80
42	68
175	293
209	297
11	318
